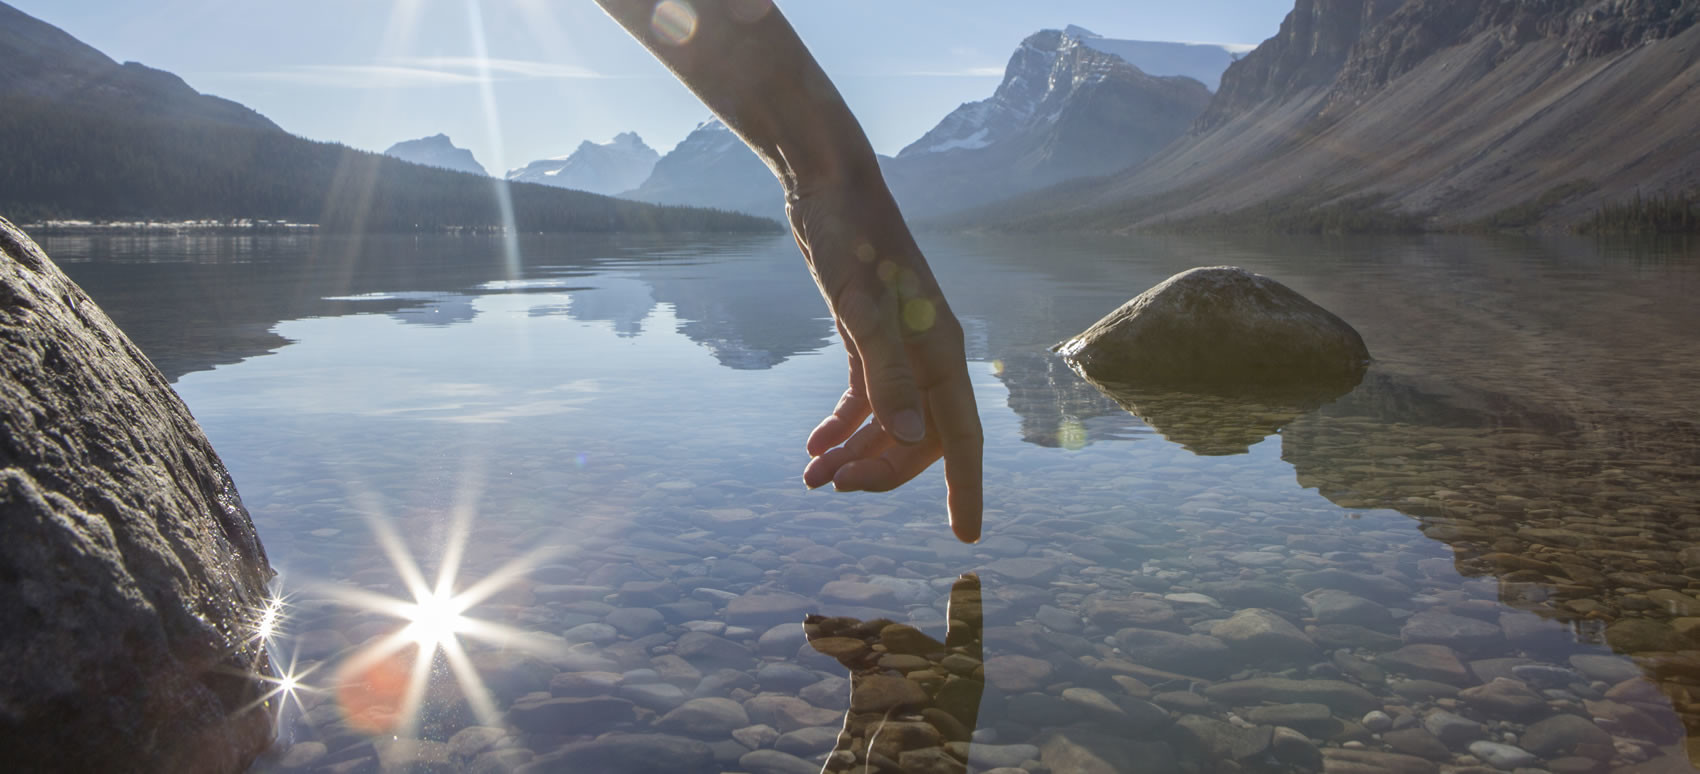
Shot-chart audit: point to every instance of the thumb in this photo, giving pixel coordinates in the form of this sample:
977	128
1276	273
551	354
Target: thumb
892	390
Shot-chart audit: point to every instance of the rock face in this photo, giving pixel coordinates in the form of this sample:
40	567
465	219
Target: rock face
1308	52
1399	107
1221	328
1068	107
133	580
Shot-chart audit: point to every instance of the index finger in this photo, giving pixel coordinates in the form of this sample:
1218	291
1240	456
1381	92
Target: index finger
955	417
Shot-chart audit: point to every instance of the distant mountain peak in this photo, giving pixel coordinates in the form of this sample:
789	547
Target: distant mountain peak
437	151
618	165
1050	64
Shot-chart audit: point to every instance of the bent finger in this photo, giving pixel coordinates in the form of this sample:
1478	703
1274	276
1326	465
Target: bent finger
848	415
896	467
867	442
852	408
876	332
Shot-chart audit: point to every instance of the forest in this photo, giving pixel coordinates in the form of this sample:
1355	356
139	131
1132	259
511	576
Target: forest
64	162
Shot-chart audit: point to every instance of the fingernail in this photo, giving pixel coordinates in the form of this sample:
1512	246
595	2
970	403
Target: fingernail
908	426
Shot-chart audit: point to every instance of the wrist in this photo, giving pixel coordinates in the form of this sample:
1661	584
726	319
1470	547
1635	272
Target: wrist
827	153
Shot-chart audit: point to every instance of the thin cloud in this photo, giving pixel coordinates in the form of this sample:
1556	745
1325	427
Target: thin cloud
519	68
412	72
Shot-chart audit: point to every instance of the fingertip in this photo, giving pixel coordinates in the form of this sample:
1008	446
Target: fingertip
843	480
965	520
817	473
829	433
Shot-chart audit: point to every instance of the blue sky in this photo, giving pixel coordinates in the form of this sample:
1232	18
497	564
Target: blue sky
372	72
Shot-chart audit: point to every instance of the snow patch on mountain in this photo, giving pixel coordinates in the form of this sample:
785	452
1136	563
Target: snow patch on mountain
606	168
712	167
1202	62
1043	66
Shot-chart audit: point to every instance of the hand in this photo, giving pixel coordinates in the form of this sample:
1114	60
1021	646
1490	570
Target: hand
907	365
948	700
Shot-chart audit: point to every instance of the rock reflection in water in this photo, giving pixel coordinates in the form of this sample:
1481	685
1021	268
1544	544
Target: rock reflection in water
1218	422
914	701
1587	522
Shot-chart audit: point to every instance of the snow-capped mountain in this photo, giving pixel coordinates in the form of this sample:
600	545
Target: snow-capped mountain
608	168
437	151
1067	107
711	167
1202	62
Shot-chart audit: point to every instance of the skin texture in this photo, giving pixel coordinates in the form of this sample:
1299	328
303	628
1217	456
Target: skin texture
908	372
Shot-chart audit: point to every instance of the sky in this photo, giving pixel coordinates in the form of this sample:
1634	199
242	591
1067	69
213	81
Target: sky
521	80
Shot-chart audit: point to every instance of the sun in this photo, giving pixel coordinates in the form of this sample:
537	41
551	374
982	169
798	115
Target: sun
382	686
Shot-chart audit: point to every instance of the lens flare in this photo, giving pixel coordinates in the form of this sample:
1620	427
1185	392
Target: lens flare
674	22
919	314
382	686
283	689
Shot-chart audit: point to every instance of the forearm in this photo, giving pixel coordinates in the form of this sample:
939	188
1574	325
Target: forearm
747	64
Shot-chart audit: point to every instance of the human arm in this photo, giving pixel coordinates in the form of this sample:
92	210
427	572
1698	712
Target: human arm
907	363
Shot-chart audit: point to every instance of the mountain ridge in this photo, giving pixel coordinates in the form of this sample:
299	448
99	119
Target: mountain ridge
1440	114
46	62
610	168
82	137
1065	108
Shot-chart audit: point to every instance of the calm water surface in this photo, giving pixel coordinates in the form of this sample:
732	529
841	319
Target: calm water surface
568	471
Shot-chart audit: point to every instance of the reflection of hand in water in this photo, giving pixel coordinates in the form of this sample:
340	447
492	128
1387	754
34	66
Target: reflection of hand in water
914	704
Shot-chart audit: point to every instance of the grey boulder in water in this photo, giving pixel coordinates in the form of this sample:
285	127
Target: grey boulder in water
132	584
1219	328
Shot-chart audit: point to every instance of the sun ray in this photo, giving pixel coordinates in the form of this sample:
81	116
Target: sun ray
384	683
493	125
472	685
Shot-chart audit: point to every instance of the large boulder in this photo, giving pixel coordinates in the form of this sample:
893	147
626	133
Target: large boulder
1220	328
131	580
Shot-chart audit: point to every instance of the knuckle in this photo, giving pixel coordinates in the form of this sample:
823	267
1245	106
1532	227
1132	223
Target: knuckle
948	332
891	374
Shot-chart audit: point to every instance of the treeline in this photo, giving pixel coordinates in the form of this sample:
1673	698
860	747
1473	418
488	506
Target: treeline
1662	214
62	162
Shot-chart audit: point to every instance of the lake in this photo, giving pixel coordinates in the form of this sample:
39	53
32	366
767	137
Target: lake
536	504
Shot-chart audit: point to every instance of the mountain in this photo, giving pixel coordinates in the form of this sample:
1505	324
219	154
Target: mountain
437	151
1424	114
42	62
1202	62
1067	108
609	168
712	168
83	137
